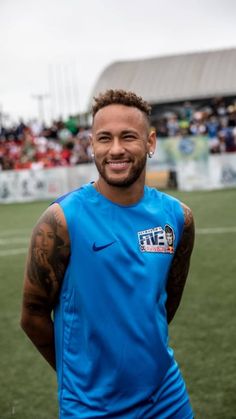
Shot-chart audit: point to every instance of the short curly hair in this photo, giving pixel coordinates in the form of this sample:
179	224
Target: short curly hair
122	97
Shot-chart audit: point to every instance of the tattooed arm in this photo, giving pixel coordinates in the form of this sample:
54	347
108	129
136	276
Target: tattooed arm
45	267
180	265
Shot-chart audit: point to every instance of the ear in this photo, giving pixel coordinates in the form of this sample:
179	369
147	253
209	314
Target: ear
91	141
152	139
90	136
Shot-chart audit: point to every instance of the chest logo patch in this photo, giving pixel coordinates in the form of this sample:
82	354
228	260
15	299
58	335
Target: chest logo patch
157	240
98	248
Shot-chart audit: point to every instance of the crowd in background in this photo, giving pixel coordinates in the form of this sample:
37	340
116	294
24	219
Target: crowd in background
34	146
66	143
216	121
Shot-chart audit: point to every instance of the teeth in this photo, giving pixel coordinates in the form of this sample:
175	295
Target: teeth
118	164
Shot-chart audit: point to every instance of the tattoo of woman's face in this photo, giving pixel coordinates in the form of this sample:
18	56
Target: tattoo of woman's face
46	264
45	240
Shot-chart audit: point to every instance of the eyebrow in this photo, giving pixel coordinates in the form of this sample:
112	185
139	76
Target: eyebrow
126	131
103	132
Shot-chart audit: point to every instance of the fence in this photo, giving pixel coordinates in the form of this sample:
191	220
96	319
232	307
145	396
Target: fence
185	162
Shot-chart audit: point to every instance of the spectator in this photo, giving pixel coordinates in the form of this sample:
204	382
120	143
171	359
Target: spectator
67	144
172	125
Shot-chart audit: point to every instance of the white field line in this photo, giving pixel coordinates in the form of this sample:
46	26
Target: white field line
13	252
14	240
15	232
216	230
8	240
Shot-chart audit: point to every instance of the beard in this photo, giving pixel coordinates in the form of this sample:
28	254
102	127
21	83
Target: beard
133	175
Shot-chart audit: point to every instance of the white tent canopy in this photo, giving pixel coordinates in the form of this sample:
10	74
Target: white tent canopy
174	78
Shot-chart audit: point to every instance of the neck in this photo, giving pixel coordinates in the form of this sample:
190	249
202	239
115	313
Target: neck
121	195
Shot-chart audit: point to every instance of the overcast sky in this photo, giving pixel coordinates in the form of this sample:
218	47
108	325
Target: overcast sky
58	48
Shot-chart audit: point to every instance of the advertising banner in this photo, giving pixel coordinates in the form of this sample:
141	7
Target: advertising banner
218	173
33	185
182	162
170	151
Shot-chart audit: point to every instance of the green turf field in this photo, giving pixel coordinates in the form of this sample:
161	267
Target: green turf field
203	333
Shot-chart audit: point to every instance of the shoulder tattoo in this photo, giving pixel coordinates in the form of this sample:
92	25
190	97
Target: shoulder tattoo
48	253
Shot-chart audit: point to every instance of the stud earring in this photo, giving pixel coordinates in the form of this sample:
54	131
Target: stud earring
150	154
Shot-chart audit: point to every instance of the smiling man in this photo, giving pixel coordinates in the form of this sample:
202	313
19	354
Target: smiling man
120	281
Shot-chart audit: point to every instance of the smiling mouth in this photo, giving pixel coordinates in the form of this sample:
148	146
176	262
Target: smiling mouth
118	165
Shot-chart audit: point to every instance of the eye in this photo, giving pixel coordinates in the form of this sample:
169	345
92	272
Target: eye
51	236
103	139
129	137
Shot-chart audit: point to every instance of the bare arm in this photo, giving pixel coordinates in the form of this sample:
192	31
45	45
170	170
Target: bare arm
180	266
45	267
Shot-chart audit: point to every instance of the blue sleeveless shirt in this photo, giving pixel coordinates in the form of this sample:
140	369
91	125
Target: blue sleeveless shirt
111	333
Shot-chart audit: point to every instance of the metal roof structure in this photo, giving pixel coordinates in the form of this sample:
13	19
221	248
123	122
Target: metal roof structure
174	78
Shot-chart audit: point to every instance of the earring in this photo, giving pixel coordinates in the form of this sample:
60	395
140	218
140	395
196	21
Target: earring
150	154
92	154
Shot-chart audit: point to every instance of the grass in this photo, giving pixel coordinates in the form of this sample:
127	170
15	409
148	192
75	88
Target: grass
202	333
204	330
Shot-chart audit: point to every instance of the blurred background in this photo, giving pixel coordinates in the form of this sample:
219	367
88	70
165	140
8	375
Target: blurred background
181	57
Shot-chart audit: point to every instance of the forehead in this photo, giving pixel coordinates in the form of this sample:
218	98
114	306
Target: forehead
124	117
45	226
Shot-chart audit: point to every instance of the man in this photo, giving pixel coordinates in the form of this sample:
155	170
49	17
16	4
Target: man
117	282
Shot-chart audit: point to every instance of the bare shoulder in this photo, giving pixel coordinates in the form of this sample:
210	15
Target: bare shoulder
188	215
48	256
56	215
52	226
189	229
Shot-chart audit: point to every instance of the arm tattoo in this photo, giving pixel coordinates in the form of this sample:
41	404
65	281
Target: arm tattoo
48	255
180	265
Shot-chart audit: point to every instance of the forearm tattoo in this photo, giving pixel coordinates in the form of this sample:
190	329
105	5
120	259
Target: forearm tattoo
180	265
48	254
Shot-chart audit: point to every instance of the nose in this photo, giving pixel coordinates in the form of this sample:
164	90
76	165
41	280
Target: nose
117	147
44	241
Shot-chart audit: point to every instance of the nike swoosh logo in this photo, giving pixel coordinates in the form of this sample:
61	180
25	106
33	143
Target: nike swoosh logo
97	248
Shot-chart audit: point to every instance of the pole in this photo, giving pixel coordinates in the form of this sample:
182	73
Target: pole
40	99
